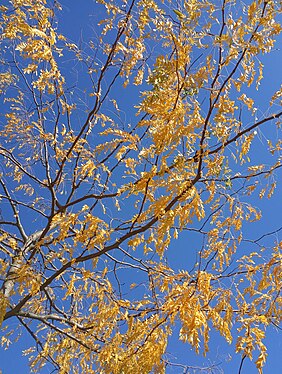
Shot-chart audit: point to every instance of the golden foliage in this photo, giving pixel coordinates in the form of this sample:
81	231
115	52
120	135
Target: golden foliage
100	184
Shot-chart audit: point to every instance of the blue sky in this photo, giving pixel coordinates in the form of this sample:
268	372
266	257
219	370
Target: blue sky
78	21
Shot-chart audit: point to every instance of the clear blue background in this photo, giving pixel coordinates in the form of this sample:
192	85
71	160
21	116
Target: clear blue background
77	20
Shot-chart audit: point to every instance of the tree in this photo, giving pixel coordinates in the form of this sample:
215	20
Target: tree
111	149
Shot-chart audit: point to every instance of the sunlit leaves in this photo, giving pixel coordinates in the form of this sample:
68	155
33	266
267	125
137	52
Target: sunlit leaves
3	306
153	138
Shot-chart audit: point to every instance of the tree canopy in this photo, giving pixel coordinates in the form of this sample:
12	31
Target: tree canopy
120	146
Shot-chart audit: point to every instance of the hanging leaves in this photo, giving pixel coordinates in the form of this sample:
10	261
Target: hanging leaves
133	166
